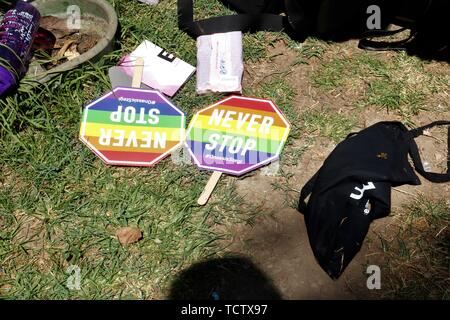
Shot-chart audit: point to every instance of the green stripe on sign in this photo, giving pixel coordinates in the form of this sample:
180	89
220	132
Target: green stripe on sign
98	116
263	145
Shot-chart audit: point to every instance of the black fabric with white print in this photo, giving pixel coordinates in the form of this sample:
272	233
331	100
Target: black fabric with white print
353	187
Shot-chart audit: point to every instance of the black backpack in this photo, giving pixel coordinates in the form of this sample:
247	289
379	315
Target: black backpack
335	20
353	188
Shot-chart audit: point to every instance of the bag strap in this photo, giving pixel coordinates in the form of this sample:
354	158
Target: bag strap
372	45
415	155
367	44
240	22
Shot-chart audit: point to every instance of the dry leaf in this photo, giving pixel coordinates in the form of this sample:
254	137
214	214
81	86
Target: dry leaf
128	235
71	54
421	224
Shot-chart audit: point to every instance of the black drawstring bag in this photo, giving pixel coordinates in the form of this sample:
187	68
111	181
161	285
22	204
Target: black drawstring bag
353	187
334	20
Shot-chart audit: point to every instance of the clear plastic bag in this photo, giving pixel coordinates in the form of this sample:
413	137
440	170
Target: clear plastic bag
220	63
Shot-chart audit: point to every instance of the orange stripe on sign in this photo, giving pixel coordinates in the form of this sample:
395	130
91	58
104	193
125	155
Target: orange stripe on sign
277	121
249	104
98	146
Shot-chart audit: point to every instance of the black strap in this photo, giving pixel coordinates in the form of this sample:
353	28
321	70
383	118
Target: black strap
414	25
415	155
240	22
382	33
306	191
367	44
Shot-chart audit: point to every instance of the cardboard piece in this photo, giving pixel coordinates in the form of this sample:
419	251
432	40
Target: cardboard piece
119	78
162	71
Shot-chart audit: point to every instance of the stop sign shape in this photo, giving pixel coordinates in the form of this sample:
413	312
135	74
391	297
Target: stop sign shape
237	135
132	127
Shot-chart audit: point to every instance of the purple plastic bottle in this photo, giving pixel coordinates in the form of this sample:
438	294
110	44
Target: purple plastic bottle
17	31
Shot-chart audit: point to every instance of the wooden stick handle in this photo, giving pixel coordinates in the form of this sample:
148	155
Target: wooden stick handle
209	188
138	71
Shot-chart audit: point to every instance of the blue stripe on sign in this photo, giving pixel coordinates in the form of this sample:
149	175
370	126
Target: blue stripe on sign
250	157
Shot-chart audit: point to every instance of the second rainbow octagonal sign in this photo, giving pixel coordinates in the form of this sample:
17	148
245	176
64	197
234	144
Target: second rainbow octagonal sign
237	135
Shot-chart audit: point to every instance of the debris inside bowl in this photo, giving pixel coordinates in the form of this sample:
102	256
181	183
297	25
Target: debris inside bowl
70	43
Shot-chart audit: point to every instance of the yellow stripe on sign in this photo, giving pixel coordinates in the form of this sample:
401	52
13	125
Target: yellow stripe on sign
258	130
95	130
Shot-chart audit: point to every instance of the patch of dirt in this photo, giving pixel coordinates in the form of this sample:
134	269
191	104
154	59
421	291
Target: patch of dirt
30	233
277	242
31	236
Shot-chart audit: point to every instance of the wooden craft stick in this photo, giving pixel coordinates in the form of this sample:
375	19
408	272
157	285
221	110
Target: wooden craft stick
209	188
138	71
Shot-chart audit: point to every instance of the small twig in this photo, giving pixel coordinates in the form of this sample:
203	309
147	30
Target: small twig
283	72
373	254
430	136
437	235
404	192
63	50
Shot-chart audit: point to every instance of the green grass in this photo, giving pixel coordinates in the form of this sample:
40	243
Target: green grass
399	84
327	123
395	97
311	48
60	205
344	70
333	74
418	256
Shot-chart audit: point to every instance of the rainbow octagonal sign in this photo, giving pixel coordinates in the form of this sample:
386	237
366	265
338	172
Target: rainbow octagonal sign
237	135
132	127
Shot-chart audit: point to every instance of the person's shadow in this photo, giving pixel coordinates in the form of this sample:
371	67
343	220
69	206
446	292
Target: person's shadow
234	278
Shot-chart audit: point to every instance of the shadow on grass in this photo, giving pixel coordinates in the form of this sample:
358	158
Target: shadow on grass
233	278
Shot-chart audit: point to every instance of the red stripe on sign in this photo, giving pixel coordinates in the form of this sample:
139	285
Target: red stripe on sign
130	156
249	104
